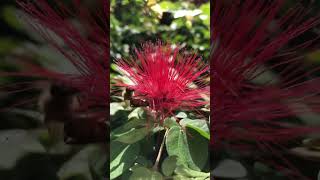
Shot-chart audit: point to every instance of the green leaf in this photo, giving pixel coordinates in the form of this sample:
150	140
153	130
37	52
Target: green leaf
198	148
118	115
187	172
177	145
135	129
132	136
181	115
167	5
199	125
131	132
138	113
122	157
169	165
205	8
170	122
205	16
148	146
142	173
143	161
114	107
134	123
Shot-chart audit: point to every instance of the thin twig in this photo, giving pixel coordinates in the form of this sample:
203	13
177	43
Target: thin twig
155	166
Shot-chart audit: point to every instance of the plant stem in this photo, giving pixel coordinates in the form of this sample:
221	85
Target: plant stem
155	166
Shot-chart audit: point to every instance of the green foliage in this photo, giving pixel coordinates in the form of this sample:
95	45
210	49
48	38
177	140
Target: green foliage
179	22
134	146
122	157
145	174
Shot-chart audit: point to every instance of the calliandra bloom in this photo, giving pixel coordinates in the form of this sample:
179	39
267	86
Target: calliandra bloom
86	46
252	40
166	78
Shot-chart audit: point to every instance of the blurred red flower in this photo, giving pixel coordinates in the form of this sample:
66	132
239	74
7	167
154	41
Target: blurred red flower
251	41
86	46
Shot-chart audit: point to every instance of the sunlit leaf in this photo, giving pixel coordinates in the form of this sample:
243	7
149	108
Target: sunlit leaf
131	132
190	173
177	145
169	165
199	125
142	173
122	157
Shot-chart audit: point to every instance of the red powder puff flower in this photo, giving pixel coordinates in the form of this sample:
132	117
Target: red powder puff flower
86	46
251	40
165	78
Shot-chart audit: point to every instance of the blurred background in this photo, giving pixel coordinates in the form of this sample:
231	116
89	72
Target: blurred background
178	22
27	150
295	156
